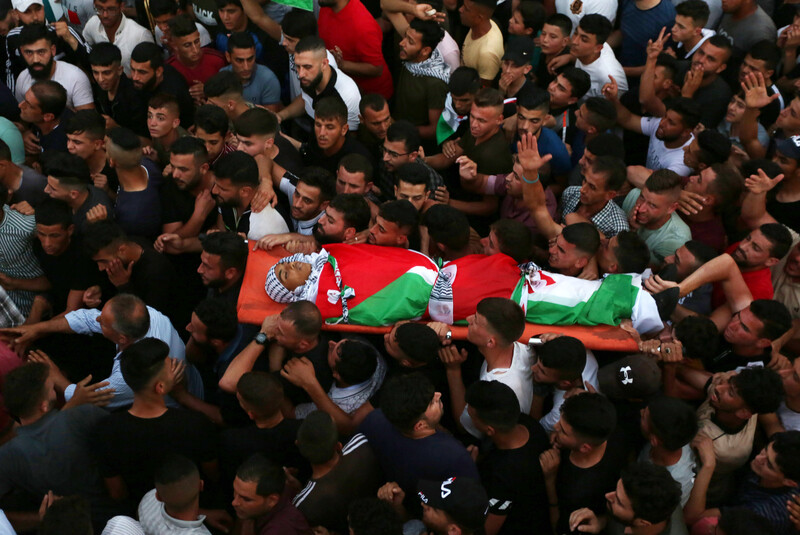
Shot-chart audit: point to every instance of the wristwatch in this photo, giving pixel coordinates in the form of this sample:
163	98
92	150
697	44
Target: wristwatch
260	339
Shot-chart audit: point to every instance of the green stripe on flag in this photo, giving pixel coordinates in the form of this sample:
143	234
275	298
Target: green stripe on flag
404	298
308	5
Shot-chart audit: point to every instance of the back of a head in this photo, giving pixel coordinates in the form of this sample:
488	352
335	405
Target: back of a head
24	388
229	246
52	212
697	10
602	113
267	475
565	354
505	318
715	147
406	132
177	481
219	317
779	237
673	421
447	225
224	84
357	362
125	148
774	315
373	516
514	239
70	515
633	255
238	167
418	342
305	317
299	23
613	168
592	417
256	122
653	493
400	212
405	399
354	208
597	25
760	388
142	361
131	317
319	178
698	335
584	236
607	144
317	438
70	170
495	403
464	81
261	392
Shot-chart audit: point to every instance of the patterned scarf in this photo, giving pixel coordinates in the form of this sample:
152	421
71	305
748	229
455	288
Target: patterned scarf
433	66
308	291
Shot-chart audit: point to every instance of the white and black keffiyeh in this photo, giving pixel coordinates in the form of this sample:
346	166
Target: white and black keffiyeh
308	291
434	66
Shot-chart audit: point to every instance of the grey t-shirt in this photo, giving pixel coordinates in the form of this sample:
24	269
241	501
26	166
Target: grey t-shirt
748	31
31	187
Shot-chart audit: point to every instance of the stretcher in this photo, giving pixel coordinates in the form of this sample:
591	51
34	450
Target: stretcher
254	305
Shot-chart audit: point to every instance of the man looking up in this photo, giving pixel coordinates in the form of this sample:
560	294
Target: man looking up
594	56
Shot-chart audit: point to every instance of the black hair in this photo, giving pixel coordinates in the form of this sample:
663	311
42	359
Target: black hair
148	53
373	516
418	342
223	83
565	354
240	40
698	335
229	246
299	23
697	10
721	41
669	64
317	177
51	95
24	389
400	212
741	521
357	362
514	239
463	81
372	101
727	186
432	33
405	399
663	181
533	15
86	121
715	147
268	476
332	107
653	492
181	26
673	421
632	252
489	97
142	361
31	33
779	237
787	453
211	119
193	146
238	167
766	51
406	132
354	208
223	3
592	417
447	225
413	173
69	169
125	139
578	79
102	234
563	22
597	25
162	7
606	144
532	97
495	403
601	113
310	43
256	122
52	212
770	168
262	392
688	109
219	317
105	55
760	388
70	515
504	316
357	163
774	315
584	236
317	437
614	169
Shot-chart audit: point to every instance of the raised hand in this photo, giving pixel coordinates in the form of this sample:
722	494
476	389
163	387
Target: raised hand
528	154
611	89
760	183
654	48
755	91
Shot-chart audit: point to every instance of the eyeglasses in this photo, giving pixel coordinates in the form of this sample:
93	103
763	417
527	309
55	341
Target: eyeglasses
393	154
106	10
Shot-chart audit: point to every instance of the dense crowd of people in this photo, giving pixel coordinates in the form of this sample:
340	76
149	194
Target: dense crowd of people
148	148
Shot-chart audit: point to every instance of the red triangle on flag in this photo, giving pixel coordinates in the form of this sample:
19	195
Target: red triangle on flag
73	17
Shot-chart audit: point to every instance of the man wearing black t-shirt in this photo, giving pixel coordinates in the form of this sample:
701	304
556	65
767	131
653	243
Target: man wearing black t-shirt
585	464
331	142
150	76
510	469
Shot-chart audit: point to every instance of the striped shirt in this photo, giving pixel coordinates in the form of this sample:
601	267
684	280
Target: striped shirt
16	254
156	521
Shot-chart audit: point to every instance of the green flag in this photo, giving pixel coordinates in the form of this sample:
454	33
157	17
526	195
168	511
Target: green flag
308	5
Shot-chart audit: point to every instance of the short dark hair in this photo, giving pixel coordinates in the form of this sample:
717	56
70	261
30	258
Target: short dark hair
229	246
86	121
310	43
70	515
727	186
193	146
373	516
597	25
563	22
672	421
532	97
305	317
663	181
577	78
669	64
489	97
51	95
299	23
721	41
698	335
632	252
514	239
701	251
238	167
584	236
261	391
787	453
779	237
105	55
268	476
697	10
332	107
24	388
601	113
101	235
30	33
320	178
688	109
406	132
715	147
606	144
766	51
219	317
774	315
614	169
317	437
463	81
148	53
357	362
760	388
565	354
405	399
751	167
211	119
142	361
400	212
418	342
166	101
447	225
162	7
53	212
174	468
592	416
533	15
223	83
354	208
69	169
5	151
432	33
372	101
256	122
505	318
181	26
413	173
495	403
653	492
240	40
357	163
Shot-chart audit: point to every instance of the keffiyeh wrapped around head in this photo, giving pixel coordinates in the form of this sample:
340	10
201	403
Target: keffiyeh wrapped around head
280	294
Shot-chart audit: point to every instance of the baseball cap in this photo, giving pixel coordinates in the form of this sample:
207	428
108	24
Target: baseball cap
460	497
23	5
519	50
789	147
633	377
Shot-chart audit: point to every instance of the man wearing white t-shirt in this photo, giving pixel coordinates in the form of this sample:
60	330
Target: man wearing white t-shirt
110	25
577	9
38	49
494	328
594	56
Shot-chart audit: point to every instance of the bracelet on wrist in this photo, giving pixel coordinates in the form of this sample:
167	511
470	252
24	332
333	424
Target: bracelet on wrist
530	181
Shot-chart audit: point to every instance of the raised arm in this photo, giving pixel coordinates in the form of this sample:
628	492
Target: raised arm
256	14
647	87
755	98
626	119
754	204
532	192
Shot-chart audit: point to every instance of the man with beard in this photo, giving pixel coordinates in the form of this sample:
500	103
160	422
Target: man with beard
222	264
651	213
422	83
235	183
318	79
330	142
114	95
150	76
38	47
668	134
703	83
110	25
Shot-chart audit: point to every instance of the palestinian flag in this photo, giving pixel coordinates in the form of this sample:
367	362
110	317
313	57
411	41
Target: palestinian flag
380	285
308	5
448	121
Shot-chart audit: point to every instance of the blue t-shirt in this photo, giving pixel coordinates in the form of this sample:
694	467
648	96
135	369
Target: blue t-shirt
550	143
221	43
263	88
639	26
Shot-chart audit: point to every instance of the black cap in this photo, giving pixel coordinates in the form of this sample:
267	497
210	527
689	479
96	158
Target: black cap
519	50
462	498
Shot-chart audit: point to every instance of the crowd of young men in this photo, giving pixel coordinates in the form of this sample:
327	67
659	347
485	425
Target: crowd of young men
147	148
